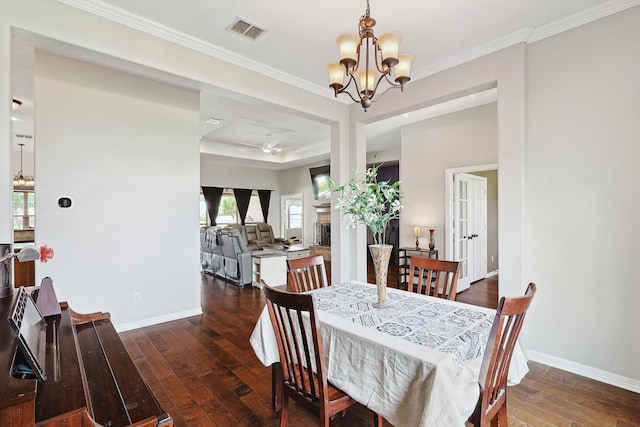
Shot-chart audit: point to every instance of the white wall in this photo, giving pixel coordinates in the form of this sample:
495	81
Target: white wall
216	174
583	197
125	150
464	138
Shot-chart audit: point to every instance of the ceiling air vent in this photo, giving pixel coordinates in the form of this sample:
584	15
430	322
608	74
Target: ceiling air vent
246	29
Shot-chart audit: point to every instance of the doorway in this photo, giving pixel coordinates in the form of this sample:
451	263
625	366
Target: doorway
292	216
471	222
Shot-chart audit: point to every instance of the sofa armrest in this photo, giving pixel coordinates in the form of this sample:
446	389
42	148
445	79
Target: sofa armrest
253	247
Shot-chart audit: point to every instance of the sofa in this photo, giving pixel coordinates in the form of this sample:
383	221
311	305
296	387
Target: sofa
224	253
260	236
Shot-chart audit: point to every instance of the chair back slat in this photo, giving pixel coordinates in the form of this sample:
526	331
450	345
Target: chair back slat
307	273
494	371
434	277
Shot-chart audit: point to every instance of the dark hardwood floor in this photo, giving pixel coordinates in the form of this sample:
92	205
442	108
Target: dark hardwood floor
204	372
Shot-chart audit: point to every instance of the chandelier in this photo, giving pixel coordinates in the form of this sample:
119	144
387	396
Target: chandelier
366	60
20	180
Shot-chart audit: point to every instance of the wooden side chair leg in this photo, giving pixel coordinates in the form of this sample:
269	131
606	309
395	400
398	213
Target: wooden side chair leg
276	387
378	421
502	416
284	411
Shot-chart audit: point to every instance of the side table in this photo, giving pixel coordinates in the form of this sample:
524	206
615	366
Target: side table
404	261
270	267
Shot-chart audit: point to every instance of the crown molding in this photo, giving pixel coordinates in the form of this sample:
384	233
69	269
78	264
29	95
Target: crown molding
588	15
525	35
114	14
528	35
516	37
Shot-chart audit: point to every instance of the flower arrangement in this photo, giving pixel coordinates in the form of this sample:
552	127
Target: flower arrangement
46	253
364	200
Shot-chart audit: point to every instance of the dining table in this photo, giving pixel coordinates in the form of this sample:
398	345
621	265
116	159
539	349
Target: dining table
415	361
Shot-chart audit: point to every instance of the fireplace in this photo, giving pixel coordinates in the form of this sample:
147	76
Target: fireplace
323	234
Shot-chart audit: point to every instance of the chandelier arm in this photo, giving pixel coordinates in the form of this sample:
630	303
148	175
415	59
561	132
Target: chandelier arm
385	91
348	93
355	83
392	83
378	61
355	67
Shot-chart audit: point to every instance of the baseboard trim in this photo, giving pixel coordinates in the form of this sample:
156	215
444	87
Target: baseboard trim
585	371
491	274
158	319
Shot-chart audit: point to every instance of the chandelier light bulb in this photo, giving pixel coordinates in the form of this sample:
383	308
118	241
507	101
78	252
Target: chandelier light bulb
348	45
389	44
336	75
367	82
403	69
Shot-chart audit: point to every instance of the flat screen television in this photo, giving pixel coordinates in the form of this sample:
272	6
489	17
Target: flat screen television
320	182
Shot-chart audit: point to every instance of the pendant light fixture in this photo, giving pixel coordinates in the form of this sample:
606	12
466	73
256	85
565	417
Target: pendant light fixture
366	60
20	180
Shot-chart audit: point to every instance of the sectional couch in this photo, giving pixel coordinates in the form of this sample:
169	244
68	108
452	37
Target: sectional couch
226	251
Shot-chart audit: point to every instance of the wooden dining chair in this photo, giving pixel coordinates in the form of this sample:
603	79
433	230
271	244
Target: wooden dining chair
439	278
307	273
295	323
494	371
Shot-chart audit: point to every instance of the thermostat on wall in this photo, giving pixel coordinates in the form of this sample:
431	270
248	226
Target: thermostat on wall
64	202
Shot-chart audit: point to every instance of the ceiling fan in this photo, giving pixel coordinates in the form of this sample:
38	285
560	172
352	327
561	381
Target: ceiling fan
270	145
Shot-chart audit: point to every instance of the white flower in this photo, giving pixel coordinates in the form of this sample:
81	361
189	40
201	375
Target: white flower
369	202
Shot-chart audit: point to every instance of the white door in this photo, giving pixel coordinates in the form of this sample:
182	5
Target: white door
479	234
470	227
292	216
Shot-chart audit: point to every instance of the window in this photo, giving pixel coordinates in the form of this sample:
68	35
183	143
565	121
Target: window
204	216
228	210
294	214
254	213
24	210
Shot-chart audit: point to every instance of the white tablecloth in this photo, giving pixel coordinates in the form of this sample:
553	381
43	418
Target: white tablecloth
416	362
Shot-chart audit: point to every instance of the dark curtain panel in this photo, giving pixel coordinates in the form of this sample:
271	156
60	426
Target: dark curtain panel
265	197
212	195
243	196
